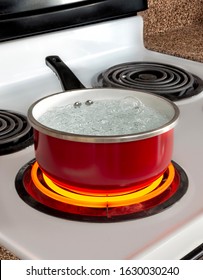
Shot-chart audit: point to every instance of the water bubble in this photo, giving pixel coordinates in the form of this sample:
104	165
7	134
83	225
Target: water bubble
77	104
89	102
131	103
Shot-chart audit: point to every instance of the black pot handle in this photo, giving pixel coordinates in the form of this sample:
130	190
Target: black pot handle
67	78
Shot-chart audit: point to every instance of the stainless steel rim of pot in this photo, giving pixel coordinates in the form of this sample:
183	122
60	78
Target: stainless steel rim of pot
103	139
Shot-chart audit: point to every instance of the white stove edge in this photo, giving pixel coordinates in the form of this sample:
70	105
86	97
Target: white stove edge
174	245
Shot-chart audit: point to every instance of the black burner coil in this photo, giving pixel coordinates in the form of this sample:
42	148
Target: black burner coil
165	80
15	132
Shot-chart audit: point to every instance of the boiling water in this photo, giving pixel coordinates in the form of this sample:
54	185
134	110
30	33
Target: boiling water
104	117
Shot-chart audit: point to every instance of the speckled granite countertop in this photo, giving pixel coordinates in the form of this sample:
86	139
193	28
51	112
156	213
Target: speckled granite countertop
175	27
6	255
170	26
186	42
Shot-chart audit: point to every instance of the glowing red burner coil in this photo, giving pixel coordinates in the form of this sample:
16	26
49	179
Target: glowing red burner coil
36	189
66	196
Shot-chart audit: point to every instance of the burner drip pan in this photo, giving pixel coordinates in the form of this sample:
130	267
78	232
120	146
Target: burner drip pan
162	79
15	132
49	201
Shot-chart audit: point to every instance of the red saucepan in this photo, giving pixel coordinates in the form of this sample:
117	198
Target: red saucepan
105	163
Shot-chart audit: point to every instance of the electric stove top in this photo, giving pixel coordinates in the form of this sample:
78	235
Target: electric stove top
89	51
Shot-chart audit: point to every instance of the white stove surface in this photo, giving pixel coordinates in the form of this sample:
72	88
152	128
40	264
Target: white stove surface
24	78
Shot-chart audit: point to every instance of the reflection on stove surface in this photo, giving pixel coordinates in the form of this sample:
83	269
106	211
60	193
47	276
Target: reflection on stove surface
15	132
165	80
37	190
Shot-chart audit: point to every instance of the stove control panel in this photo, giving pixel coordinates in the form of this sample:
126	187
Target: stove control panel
25	18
